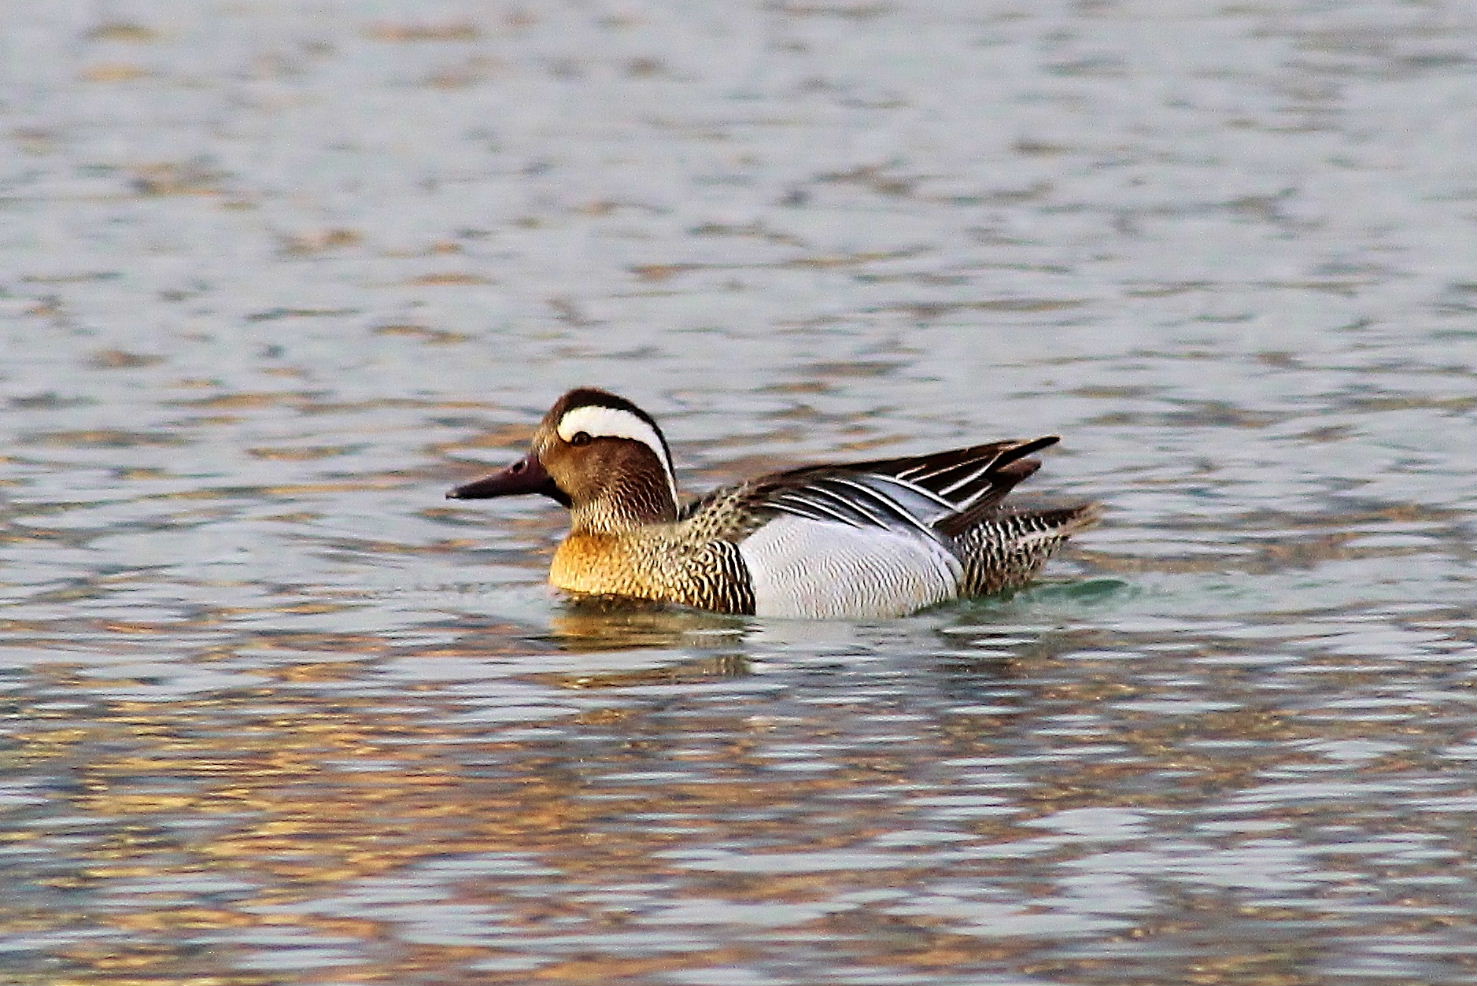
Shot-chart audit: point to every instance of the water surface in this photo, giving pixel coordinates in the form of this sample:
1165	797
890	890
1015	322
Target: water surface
276	275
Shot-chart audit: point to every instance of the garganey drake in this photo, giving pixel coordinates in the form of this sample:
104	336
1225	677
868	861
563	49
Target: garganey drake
863	539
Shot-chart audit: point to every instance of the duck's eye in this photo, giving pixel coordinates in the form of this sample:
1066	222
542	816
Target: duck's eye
580	438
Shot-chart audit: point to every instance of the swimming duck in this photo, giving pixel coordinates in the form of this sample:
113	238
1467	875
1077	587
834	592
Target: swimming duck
856	540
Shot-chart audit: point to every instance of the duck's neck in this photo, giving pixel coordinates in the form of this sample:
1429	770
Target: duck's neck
624	507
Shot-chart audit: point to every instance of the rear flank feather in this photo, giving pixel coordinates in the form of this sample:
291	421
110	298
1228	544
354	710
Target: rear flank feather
1006	551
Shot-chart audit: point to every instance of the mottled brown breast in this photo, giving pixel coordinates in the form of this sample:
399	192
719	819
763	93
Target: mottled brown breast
599	564
655	565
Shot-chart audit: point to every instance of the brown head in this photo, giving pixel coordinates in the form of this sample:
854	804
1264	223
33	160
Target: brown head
598	454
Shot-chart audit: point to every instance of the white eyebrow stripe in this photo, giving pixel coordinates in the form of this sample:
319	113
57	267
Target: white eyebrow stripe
598	421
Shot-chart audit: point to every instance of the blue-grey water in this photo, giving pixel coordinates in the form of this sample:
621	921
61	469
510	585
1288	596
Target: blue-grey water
275	275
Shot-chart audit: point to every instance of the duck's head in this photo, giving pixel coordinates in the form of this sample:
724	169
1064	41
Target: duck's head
598	454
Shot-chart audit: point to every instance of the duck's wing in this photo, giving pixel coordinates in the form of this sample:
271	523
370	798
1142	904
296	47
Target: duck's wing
928	495
965	477
864	539
934	492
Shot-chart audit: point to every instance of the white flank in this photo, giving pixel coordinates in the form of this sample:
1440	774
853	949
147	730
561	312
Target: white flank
818	569
612	422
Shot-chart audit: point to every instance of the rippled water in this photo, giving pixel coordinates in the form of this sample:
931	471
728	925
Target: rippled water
274	276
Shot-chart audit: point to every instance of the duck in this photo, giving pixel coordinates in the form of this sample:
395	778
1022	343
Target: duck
858	540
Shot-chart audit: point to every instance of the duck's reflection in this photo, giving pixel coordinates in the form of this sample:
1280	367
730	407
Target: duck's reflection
685	644
604	623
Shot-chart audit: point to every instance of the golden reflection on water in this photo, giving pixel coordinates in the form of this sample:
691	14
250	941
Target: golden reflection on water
306	801
301	796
